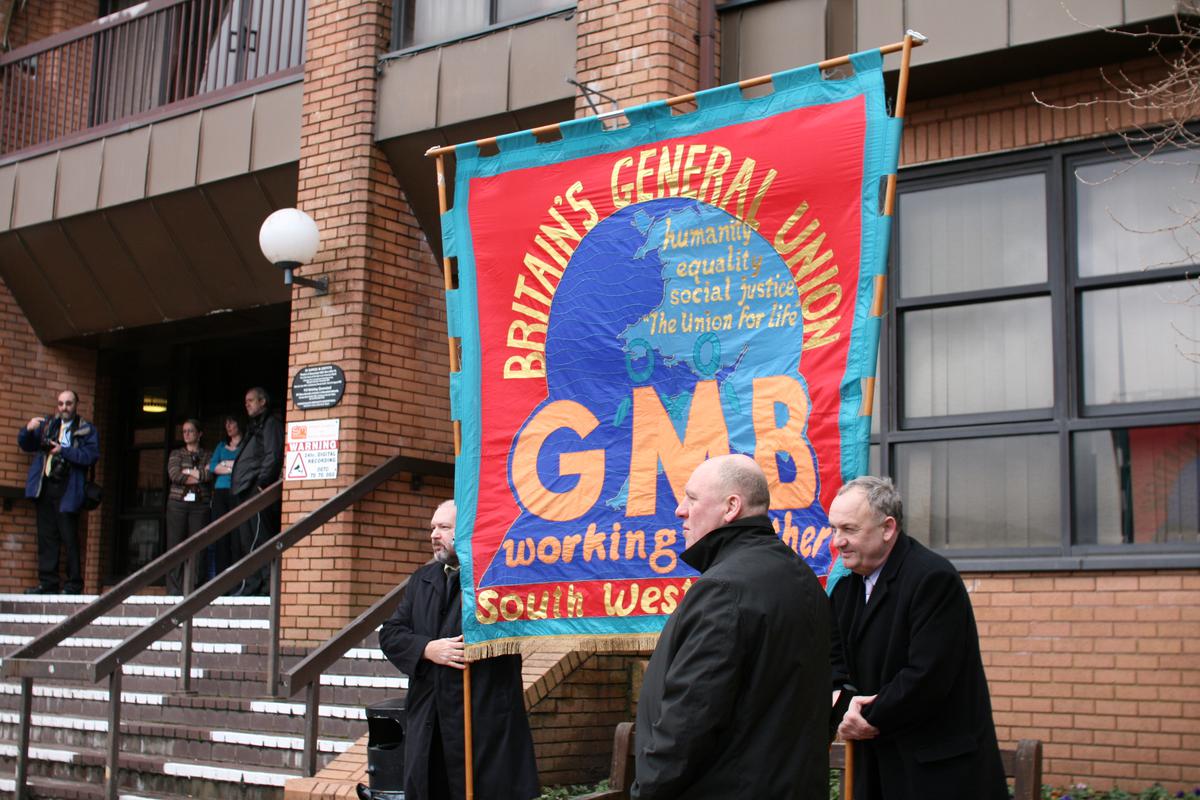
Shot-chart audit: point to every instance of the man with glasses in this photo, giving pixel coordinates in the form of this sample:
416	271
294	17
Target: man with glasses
64	446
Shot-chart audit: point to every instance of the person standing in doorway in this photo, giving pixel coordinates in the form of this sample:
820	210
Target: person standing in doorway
65	446
221	467
188	497
256	467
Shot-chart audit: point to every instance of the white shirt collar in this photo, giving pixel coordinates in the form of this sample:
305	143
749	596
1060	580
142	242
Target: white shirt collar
870	580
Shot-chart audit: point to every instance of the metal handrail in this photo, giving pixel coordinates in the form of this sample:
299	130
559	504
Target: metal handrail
114	71
26	663
19	661
307	673
86	30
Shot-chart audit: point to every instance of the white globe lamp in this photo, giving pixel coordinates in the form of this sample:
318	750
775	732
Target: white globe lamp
289	239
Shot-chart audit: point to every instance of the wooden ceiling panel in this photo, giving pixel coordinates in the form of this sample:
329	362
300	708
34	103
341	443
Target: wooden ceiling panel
69	277
168	274
29	287
219	272
121	280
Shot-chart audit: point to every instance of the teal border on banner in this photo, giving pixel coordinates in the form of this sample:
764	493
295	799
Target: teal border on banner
648	123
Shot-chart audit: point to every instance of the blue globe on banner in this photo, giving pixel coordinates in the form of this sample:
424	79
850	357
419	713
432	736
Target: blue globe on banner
675	335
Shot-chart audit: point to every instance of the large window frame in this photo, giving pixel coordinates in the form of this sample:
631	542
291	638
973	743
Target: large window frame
1069	413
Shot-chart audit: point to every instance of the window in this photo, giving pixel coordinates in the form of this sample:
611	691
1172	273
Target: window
1039	384
424	22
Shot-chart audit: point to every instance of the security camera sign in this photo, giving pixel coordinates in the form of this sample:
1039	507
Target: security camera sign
311	450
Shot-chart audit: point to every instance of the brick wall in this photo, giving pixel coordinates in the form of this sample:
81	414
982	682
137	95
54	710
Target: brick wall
383	322
573	722
1009	117
34	375
636	51
38	20
1103	667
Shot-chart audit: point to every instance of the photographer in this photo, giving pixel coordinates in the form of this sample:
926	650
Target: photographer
64	445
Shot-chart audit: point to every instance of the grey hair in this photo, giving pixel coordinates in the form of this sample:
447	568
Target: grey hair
746	481
882	496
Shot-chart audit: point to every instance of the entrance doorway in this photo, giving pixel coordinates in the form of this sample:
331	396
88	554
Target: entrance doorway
155	388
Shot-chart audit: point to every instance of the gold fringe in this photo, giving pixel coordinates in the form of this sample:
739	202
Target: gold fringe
599	643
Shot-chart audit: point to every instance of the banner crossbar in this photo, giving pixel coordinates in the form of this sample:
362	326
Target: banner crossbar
911	39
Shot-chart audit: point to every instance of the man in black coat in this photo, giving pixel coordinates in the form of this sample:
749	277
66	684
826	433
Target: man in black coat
423	638
904	635
257	466
733	703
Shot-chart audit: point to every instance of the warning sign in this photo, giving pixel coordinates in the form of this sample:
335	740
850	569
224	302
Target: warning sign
311	450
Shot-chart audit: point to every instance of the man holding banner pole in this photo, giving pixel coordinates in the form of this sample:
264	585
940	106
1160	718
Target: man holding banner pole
734	704
423	638
904	634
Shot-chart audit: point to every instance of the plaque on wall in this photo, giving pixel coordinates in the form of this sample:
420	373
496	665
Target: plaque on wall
320	386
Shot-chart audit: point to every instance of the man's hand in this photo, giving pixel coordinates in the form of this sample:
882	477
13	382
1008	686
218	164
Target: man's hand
56	449
446	652
33	423
854	726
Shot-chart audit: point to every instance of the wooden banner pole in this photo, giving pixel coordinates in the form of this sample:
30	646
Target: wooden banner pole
468	739
911	39
448	281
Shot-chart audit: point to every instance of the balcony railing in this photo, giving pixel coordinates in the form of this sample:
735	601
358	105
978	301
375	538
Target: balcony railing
164	52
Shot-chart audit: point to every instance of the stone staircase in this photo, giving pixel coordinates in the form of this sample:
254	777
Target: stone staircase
225	739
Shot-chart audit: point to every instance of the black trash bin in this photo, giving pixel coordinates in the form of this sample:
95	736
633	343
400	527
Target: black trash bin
385	749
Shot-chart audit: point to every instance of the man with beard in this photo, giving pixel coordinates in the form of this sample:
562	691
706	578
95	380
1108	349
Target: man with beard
424	640
733	703
64	447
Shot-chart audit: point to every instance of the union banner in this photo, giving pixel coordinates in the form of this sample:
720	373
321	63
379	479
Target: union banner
633	300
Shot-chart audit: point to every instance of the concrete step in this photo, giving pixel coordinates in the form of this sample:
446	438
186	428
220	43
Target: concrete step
137	605
225	738
248	748
48	789
141	773
268	715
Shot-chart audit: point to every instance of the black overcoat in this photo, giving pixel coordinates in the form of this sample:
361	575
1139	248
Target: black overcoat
734	702
504	763
915	645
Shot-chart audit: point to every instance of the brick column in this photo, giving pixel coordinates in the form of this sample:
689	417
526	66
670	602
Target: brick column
34	375
636	51
383	322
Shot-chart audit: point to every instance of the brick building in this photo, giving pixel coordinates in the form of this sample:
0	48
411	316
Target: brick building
141	145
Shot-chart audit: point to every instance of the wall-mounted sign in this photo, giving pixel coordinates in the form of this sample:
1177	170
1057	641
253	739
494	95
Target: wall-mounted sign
320	386
311	450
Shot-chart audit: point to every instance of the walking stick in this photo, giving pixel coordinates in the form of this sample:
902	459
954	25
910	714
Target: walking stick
848	771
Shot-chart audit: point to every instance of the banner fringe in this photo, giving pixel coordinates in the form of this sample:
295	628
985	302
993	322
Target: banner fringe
606	643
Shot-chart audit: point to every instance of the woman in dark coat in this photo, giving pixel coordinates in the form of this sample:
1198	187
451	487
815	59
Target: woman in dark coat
431	610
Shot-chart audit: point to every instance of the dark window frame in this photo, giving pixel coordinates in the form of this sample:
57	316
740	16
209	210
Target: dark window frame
1069	414
402	25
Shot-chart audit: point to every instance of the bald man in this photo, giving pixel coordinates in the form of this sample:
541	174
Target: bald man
734	702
